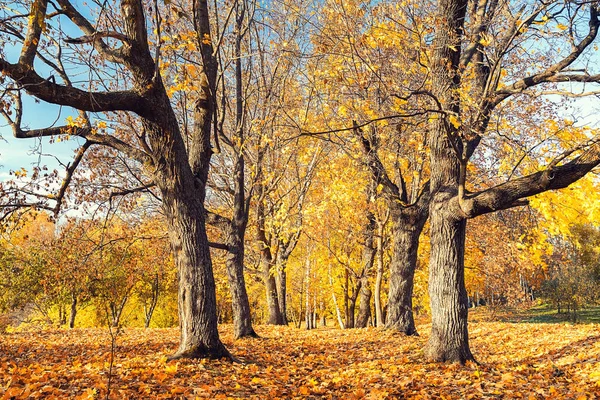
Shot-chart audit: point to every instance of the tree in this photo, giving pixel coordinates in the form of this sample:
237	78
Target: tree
369	60
121	40
474	44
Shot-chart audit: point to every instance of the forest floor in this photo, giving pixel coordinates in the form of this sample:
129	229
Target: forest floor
520	359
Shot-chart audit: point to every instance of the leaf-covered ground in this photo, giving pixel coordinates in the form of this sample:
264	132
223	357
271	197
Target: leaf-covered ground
517	360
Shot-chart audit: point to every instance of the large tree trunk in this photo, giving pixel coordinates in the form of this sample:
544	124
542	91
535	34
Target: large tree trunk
197	297
449	303
449	340
407	225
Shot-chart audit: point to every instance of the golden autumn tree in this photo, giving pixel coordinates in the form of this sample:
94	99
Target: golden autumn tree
479	60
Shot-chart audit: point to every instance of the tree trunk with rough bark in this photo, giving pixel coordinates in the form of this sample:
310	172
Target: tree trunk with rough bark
407	225
364	306
73	312
275	317
408	219
281	282
149	310
197	296
379	279
242	317
449	304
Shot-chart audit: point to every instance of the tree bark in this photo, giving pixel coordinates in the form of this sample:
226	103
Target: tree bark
281	282
275	317
153	301
307	311
378	281
408	220
242	319
449	340
338	312
351	303
267	258
364	307
197	295
449	303
73	312
407	225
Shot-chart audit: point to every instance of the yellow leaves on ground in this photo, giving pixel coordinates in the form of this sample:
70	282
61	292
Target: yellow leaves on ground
530	361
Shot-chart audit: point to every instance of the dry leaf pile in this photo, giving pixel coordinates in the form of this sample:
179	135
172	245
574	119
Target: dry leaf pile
531	361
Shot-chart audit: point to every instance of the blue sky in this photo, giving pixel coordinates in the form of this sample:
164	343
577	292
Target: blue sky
23	153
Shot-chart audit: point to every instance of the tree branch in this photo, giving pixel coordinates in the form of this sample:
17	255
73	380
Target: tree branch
70	171
556	73
116	56
512	193
37	18
47	90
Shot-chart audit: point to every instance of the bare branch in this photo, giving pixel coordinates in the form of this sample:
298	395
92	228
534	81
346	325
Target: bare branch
67	181
556	73
97	36
47	90
117	56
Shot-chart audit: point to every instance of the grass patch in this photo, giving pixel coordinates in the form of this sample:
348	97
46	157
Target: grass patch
546	314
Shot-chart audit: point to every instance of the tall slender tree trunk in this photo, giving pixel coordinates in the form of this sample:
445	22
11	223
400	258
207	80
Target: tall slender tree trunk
281	282
307	311
242	317
149	311
338	312
267	258
379	279
73	312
